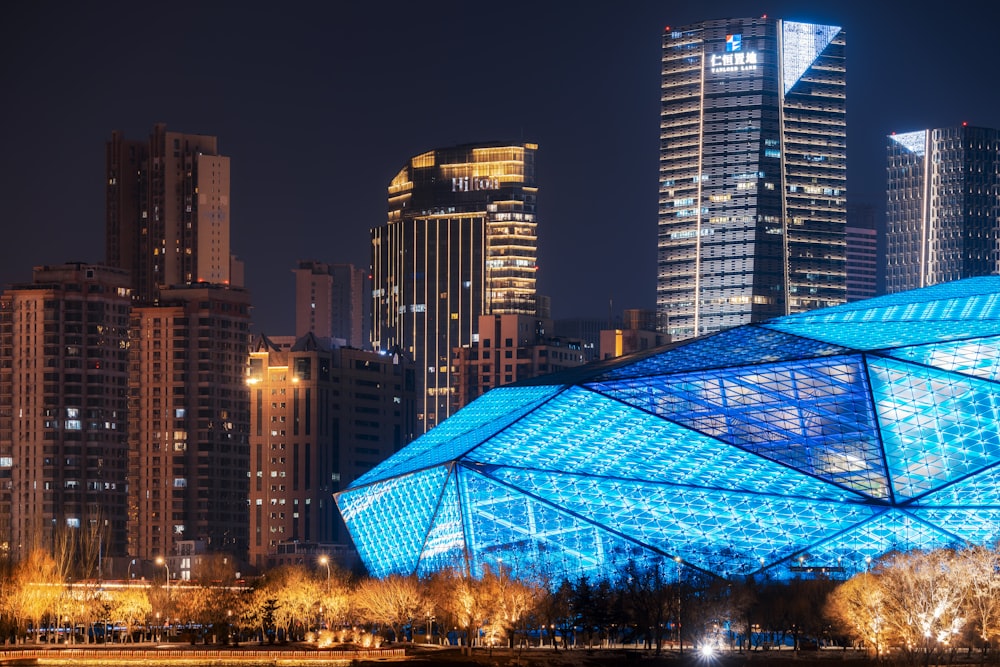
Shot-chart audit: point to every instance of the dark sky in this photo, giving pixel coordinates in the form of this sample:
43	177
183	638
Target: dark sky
319	104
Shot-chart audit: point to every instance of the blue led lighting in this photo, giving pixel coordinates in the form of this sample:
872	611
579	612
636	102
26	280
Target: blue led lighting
819	439
455	436
977	358
936	426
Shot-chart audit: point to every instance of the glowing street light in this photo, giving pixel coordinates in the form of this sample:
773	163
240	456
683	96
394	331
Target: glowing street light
160	560
325	560
680	629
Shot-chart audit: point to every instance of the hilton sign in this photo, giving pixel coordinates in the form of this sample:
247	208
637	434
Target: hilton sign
473	184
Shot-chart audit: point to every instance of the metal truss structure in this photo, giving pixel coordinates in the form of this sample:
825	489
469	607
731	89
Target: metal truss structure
817	440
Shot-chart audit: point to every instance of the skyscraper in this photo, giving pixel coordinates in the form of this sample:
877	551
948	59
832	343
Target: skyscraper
752	193
460	242
63	400
167	216
943	208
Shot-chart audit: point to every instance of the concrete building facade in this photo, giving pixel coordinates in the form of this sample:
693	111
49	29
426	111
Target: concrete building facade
189	422
167	211
63	405
331	302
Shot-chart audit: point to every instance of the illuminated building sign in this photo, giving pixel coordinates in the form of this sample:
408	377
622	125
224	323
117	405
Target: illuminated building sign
734	59
474	184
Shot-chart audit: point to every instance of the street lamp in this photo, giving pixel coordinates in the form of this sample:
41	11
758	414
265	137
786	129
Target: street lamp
130	564
325	560
680	629
160	560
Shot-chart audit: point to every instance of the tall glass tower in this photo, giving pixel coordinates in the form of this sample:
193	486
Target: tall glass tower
943	206
460	242
753	173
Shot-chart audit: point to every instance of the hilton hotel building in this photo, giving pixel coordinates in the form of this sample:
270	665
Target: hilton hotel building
753	173
460	242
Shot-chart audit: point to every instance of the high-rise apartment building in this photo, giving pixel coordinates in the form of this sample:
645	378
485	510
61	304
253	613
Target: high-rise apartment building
189	422
331	302
167	216
460	242
943	208
752	192
321	416
63	399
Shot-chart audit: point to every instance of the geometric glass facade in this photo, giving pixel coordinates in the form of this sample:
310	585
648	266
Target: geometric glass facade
752	191
817	439
943	206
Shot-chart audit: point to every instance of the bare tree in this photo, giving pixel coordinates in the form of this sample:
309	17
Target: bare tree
653	600
394	601
979	568
924	601
35	589
857	606
506	601
129	607
292	594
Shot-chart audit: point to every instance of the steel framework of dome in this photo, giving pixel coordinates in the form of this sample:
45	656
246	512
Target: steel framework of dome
815	440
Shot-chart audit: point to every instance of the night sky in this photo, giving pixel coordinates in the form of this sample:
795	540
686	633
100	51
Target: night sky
320	104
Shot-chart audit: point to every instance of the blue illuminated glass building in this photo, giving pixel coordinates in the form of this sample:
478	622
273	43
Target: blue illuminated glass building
818	439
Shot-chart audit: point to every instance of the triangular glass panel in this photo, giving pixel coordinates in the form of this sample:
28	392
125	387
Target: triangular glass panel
735	347
977	357
449	440
532	538
585	432
981	489
937	427
445	544
950	311
801	44
695	523
392	547
812	415
971	525
853	550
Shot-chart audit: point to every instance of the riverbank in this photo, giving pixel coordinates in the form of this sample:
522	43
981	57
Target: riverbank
194	655
416	654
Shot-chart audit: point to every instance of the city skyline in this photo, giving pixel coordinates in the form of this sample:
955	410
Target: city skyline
318	108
